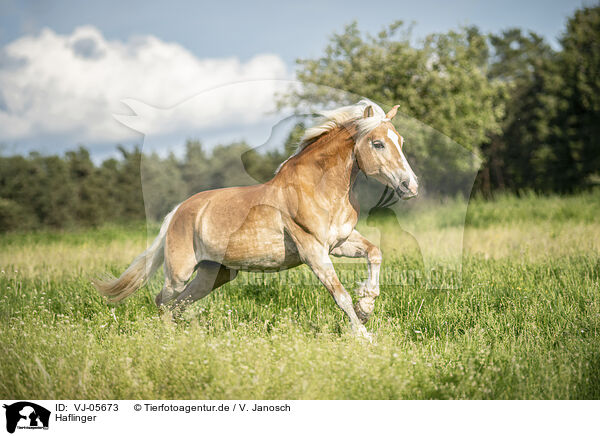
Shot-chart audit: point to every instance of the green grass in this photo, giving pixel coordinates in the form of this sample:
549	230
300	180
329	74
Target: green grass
524	324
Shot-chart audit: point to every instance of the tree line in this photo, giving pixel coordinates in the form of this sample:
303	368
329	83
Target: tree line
529	110
38	191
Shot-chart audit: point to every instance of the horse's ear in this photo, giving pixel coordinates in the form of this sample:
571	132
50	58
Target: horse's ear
392	113
368	112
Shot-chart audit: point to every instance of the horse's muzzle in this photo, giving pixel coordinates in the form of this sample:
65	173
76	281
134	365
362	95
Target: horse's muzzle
405	191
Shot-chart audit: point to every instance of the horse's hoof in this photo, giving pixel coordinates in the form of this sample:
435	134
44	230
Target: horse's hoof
362	333
364	308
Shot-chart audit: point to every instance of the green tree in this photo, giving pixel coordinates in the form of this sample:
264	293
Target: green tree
127	185
53	192
226	167
549	140
163	185
516	158
16	205
195	168
577	145
91	204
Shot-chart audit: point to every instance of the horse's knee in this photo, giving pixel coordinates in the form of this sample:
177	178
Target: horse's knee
374	255
179	269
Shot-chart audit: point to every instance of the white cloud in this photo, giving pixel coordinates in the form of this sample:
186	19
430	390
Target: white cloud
69	86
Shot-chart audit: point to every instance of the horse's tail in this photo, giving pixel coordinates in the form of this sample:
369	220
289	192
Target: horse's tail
140	270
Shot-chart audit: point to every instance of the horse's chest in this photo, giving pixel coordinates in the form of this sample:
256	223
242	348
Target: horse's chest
340	232
340	229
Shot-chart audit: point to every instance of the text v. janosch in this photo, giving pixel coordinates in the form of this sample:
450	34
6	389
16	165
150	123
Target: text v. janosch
266	407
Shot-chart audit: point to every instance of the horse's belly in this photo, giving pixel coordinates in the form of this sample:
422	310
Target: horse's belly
244	231
260	250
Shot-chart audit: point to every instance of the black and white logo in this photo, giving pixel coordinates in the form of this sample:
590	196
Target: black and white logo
26	415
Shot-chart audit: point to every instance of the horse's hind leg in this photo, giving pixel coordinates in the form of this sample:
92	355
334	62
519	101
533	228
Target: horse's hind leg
178	270
209	276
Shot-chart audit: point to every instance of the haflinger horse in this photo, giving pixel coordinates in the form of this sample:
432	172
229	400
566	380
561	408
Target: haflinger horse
304	214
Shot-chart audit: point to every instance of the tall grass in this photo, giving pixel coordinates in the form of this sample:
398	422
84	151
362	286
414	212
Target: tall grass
524	324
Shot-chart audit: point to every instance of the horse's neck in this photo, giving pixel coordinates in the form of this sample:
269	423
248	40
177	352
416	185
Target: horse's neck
328	164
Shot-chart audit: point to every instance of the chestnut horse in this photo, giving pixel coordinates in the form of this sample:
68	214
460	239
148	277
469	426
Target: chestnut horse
304	214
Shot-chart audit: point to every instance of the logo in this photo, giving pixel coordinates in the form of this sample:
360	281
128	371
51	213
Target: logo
26	415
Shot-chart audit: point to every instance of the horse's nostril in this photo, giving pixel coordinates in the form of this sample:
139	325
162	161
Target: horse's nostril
405	184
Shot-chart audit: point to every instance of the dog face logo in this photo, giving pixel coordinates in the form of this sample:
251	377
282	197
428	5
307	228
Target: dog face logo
24	414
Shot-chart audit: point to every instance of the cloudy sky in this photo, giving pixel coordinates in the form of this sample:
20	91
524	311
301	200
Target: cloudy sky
66	67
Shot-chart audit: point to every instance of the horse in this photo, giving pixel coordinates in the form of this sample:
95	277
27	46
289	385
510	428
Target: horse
304	214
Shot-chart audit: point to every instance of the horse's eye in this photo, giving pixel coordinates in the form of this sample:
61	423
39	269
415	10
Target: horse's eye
378	144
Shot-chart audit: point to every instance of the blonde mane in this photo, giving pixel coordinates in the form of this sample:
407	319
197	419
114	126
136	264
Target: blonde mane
346	116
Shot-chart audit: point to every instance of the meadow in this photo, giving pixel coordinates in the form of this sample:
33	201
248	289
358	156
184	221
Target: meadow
523	325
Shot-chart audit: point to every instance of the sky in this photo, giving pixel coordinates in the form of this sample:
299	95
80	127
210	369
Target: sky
67	67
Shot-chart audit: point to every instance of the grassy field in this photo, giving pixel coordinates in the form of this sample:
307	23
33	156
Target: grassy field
524	324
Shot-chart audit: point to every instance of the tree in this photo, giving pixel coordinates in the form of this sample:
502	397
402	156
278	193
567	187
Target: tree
128	185
162	184
577	145
550	133
90	203
516	158
196	167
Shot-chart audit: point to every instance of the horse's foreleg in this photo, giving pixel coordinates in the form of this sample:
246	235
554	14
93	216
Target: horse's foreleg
317	258
358	246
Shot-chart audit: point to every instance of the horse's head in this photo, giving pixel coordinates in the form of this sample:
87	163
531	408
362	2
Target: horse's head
379	153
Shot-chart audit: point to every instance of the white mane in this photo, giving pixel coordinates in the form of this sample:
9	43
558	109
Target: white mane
342	117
